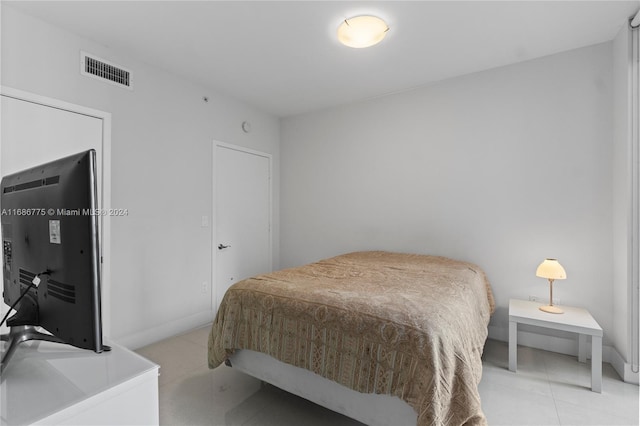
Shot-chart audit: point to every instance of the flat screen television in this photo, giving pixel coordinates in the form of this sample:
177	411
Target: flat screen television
51	257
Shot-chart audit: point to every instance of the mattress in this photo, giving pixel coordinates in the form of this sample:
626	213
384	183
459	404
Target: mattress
406	325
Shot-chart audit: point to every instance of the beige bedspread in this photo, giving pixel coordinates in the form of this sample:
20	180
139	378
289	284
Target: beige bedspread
413	326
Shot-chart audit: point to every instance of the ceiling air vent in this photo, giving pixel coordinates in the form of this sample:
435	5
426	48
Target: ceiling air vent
95	67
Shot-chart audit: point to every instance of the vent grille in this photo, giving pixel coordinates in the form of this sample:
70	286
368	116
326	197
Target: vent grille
33	184
93	66
61	291
26	277
64	292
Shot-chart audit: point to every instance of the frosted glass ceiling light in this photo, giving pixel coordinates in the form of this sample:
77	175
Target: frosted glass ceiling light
362	31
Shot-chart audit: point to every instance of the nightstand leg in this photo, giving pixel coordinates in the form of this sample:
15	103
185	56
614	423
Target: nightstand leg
513	345
582	347
596	364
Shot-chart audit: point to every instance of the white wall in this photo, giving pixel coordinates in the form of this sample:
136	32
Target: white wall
502	168
162	138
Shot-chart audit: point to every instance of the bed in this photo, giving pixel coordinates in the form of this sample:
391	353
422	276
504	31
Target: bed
398	326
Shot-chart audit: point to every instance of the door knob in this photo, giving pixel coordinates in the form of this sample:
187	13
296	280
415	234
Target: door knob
222	246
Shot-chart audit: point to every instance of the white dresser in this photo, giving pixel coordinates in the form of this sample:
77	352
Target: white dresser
48	383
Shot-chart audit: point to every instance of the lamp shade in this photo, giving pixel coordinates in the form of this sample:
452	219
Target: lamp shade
362	31
552	269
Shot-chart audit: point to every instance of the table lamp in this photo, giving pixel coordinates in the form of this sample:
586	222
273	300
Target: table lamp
552	270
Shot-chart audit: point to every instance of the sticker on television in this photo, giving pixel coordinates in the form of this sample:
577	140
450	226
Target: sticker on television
54	232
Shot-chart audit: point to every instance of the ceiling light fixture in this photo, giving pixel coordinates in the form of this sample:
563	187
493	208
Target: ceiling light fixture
362	31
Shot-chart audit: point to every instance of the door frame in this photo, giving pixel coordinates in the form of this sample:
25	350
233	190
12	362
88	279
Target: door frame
105	238
214	211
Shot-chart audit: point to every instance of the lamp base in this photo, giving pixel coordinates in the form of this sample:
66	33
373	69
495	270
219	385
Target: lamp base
551	309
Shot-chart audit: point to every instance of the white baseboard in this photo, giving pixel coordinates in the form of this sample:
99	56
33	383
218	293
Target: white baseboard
154	334
566	346
623	368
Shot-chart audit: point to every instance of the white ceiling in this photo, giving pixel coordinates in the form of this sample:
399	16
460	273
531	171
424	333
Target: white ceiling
283	57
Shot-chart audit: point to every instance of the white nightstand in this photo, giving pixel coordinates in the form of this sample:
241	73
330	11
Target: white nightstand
576	320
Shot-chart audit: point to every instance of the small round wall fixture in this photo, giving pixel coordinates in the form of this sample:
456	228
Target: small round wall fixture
362	31
246	126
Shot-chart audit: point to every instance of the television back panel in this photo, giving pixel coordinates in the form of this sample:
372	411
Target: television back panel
50	229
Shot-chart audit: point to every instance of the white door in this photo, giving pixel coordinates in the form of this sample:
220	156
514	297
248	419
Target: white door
242	241
34	134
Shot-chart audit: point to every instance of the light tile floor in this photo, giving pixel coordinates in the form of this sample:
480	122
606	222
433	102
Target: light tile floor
548	389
